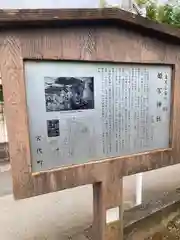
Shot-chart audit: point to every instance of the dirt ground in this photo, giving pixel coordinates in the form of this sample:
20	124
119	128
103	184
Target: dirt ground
63	214
171	231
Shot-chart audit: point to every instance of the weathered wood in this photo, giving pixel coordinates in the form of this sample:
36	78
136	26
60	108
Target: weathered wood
82	44
104	198
15	110
99	211
114	190
49	17
99	171
114	231
88	43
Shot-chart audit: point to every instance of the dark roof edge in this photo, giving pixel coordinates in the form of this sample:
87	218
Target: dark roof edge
48	17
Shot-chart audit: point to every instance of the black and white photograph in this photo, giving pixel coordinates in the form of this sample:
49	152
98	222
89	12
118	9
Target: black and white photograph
53	128
69	93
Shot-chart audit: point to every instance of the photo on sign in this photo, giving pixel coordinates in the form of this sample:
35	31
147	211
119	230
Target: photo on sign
69	93
53	128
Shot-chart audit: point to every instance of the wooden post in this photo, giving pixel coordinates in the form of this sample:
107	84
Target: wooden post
99	211
107	195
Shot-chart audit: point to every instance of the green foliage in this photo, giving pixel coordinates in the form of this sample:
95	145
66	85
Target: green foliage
152	11
167	13
102	3
176	17
141	2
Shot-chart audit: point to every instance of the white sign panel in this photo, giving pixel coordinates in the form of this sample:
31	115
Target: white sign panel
80	112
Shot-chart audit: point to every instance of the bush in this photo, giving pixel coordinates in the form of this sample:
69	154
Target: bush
166	13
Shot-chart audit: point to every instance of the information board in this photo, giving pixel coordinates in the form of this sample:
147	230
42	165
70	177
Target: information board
79	112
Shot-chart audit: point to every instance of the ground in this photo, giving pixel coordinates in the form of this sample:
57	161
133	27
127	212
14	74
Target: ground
60	215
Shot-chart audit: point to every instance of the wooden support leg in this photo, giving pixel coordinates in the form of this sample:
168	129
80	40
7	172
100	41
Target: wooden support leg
121	213
107	195
99	211
114	199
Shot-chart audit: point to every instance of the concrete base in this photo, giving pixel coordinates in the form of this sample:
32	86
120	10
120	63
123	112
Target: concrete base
53	216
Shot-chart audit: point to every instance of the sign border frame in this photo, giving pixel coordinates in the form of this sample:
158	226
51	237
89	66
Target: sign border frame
27	184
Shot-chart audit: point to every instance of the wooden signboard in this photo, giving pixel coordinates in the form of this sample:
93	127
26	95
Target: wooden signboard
88	103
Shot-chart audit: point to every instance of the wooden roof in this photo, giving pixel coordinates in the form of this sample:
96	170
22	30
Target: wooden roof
25	18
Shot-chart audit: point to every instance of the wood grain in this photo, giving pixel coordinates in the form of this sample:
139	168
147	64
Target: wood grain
114	231
99	211
13	18
89	44
92	43
11	65
114	191
100	170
